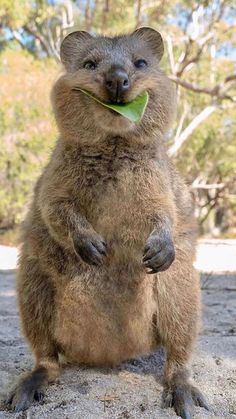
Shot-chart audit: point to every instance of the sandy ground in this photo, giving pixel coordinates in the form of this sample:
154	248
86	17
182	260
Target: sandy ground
133	390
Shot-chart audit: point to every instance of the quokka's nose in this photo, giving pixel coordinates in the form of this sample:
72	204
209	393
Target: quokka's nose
117	83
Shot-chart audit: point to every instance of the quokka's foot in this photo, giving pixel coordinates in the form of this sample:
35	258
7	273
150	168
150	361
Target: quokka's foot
182	397
28	389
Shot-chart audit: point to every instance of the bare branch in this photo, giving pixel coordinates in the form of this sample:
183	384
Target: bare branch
208	186
192	60
17	37
183	61
210	208
184	54
203	41
67	17
52	42
105	13
138	13
88	16
36	34
181	123
190	86
231	77
218	91
197	120
170	53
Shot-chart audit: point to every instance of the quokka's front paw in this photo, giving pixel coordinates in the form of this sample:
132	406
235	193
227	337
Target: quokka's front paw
159	252
91	248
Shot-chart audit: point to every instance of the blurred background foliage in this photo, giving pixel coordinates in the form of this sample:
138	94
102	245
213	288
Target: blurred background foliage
200	41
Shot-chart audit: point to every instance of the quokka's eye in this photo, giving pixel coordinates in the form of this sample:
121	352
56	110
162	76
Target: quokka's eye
90	65
141	63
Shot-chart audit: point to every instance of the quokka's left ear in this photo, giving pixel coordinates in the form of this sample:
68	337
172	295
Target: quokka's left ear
153	38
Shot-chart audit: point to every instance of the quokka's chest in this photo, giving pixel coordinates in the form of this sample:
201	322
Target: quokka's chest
120	197
98	171
120	180
122	202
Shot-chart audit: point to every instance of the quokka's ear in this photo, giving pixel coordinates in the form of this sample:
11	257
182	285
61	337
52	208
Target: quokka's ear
153	39
70	47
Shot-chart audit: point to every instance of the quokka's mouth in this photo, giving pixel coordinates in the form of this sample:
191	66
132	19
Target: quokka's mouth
133	111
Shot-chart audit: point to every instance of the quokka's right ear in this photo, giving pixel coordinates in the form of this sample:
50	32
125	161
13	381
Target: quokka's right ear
71	46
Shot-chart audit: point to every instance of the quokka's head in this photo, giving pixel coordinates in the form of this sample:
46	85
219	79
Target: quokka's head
115	70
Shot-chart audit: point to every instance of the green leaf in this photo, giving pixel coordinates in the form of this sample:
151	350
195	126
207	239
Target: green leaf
133	111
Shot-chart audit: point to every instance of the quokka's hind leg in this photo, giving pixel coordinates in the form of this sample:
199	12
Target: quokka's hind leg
178	296
36	303
178	391
31	387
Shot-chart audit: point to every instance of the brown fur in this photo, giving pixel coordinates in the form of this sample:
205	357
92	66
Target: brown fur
109	178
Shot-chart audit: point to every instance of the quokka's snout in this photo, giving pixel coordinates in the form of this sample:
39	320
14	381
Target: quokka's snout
117	83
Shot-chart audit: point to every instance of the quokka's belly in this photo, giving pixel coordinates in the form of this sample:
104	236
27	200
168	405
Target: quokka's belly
97	326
